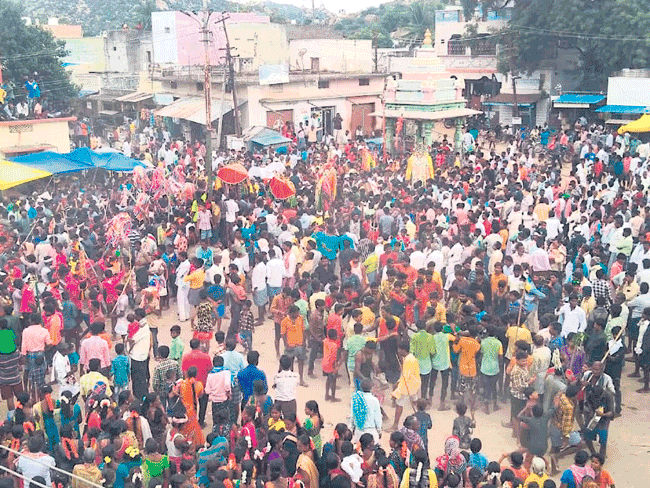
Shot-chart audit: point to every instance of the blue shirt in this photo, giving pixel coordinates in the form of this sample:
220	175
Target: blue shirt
120	369
246	378
478	460
234	362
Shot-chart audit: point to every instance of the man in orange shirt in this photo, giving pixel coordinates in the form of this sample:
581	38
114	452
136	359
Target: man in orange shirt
467	347
292	329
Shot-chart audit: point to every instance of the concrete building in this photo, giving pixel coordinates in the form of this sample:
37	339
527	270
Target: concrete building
178	40
18	137
628	97
332	55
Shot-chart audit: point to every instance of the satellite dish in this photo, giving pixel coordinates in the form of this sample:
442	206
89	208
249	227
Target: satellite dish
302	51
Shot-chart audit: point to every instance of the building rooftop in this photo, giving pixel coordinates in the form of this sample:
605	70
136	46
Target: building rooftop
65	31
295	32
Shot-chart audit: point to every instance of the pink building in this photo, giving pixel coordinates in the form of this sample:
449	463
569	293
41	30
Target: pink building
178	40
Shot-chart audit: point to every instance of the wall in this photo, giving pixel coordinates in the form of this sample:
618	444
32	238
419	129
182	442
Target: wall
450	22
301	99
85	55
335	55
263	43
177	37
163	32
628	91
54	133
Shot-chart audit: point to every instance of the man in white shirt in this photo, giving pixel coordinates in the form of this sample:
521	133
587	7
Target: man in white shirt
139	353
274	273
417	257
285	384
572	317
289	265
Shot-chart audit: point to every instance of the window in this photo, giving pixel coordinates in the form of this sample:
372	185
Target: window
199	87
173	85
315	65
455	46
364	81
167	30
323	84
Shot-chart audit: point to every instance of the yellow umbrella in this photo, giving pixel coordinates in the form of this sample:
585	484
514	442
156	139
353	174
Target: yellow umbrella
640	125
14	174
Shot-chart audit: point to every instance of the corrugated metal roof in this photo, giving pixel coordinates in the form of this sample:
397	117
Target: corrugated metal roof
134	97
580	98
509	99
416	115
193	109
622	109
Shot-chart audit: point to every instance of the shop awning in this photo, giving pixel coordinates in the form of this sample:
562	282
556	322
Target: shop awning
193	109
77	160
417	115
578	100
523	100
622	109
14	174
135	97
640	125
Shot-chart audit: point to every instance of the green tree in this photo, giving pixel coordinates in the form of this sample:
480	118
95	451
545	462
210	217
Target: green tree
144	14
26	50
609	35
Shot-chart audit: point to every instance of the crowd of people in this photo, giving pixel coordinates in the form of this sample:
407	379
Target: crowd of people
502	274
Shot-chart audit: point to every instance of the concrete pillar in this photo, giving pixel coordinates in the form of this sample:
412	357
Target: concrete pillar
390	136
458	134
427	129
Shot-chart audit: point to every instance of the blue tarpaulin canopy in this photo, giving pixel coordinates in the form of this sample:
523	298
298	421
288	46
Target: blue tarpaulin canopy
269	137
622	109
580	98
78	160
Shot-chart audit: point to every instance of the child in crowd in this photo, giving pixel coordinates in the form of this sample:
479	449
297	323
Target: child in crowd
424	419
476	458
330	364
120	369
246	325
463	426
176	346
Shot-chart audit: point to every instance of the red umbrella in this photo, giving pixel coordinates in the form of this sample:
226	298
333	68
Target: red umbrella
232	174
282	188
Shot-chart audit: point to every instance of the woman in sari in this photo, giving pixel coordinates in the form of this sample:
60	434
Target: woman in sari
575	355
189	390
306	470
420	475
341	434
382	474
452	461
313	424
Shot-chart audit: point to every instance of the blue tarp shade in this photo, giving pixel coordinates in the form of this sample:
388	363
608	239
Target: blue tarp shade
580	98
53	162
78	160
622	109
268	137
375	142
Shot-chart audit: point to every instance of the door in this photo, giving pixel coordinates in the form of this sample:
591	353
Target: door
360	118
324	116
276	119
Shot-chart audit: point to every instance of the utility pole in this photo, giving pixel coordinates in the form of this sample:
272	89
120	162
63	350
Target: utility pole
207	89
231	77
223	93
375	41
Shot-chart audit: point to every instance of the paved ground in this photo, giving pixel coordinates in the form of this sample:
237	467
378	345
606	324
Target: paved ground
629	446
